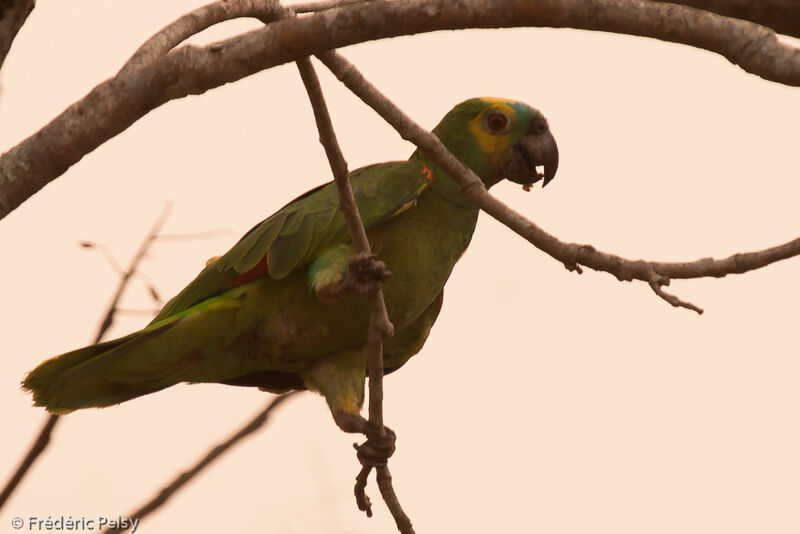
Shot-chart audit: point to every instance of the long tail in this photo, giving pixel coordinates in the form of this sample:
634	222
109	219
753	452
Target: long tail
79	379
184	348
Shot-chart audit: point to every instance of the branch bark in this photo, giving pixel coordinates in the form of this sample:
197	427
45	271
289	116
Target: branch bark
13	14
196	21
783	16
115	104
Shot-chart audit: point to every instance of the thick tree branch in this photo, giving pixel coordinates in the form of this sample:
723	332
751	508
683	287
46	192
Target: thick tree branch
43	439
13	14
115	104
196	21
312	7
572	255
184	478
783	16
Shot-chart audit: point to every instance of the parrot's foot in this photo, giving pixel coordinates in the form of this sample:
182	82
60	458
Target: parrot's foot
377	449
374	454
364	273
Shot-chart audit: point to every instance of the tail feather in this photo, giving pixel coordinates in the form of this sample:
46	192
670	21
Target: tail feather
77	379
187	347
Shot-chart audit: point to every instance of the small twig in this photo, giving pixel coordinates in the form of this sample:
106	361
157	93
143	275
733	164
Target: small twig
657	286
108	320
112	261
181	480
362	499
43	439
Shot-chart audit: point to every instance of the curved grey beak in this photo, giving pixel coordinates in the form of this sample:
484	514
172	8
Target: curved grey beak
537	148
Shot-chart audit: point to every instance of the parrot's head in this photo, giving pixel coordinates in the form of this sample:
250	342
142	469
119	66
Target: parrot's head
501	138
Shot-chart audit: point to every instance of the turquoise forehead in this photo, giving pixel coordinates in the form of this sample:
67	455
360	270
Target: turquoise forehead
474	106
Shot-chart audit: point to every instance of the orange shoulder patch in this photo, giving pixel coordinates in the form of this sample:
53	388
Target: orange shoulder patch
428	173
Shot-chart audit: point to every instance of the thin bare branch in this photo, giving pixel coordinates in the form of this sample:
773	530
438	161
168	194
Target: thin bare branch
140	253
43	439
181	480
13	14
672	299
572	255
112	261
379	319
117	103
387	492
379	324
38	447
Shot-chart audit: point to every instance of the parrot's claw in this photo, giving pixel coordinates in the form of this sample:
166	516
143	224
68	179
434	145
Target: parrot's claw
376	450
366	273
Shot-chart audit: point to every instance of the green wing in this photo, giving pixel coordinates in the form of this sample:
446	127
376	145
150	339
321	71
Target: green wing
301	230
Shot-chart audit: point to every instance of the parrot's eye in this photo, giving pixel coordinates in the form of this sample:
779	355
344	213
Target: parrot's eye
497	122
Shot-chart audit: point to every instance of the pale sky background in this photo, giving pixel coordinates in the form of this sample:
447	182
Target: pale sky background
543	401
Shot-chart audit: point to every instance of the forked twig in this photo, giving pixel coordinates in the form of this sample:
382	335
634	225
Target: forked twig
658	289
43	439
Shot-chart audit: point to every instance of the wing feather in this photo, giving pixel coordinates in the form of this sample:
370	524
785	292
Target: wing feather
252	251
301	230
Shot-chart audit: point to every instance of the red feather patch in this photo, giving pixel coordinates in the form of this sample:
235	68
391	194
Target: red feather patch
258	270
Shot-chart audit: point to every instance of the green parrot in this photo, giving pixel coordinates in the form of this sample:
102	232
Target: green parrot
278	310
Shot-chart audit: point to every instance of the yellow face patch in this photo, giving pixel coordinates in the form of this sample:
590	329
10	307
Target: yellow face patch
493	143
